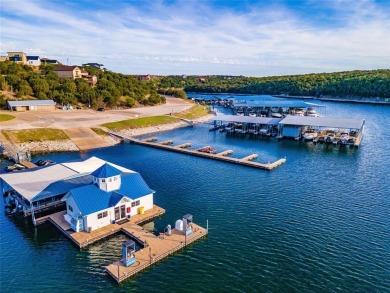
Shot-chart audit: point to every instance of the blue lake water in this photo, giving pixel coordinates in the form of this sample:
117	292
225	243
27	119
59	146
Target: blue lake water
319	223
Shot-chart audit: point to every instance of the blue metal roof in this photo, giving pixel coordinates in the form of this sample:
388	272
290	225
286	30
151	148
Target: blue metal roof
276	103
31	103
63	186
91	199
106	171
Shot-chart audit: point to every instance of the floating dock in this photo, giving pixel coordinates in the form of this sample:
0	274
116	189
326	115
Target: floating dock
220	156
158	247
83	238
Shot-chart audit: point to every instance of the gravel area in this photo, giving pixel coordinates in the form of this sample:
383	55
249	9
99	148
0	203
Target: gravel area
48	146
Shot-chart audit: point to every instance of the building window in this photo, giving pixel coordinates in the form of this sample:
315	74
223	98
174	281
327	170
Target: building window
103	180
115	178
102	215
109	180
135	203
70	208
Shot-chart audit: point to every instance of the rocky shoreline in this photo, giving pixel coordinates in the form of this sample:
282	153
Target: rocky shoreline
48	146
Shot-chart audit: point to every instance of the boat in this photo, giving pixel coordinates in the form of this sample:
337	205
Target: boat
207	149
310	135
252	114
264	130
44	162
329	137
311	112
344	137
276	115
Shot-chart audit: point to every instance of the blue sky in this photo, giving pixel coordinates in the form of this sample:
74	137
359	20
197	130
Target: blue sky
229	37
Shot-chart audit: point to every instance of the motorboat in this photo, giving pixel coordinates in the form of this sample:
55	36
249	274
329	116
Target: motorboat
310	134
344	137
252	114
276	115
329	137
207	149
264	130
311	112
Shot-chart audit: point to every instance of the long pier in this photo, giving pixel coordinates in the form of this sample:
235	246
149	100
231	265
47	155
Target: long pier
222	156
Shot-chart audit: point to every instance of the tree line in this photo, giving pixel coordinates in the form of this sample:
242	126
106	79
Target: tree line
112	89
358	83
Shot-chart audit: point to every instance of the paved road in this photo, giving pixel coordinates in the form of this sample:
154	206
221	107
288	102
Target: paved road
63	119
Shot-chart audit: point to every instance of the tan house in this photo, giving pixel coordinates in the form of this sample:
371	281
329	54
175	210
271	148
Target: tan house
92	79
17	57
71	72
3	58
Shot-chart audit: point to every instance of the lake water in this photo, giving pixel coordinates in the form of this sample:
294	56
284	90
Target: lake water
319	223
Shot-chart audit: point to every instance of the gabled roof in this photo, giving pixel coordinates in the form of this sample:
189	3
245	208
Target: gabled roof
64	68
91	199
91	164
106	171
31	103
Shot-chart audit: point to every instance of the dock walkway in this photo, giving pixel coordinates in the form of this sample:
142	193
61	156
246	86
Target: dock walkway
157	249
220	156
83	238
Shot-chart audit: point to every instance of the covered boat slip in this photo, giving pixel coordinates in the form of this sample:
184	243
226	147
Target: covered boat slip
290	126
283	106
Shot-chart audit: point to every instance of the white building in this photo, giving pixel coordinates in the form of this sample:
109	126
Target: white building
113	196
34	60
95	192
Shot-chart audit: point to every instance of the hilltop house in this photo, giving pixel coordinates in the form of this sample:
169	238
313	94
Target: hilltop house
113	196
94	65
34	60
17	57
49	61
70	72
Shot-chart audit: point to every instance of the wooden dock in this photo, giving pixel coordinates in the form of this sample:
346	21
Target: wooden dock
83	238
220	157
28	164
158	247
225	153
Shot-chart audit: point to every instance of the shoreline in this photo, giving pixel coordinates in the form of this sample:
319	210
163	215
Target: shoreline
50	146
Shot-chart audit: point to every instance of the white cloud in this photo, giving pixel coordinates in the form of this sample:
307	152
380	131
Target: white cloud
190	37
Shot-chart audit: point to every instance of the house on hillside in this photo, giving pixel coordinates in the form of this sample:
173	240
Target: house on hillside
145	77
17	57
70	72
31	105
49	61
94	65
92	79
34	60
113	196
3	58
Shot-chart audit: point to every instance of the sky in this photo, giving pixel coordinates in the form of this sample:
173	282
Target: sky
202	37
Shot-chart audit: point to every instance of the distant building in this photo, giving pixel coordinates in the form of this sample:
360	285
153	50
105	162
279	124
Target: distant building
34	60
70	72
145	77
92	79
31	105
49	61
17	57
3	58
95	65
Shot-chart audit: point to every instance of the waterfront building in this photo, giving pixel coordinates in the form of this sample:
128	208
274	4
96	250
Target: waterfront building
89	188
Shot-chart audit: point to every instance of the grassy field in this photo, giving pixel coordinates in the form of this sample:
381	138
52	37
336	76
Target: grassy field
30	135
194	112
6	117
141	122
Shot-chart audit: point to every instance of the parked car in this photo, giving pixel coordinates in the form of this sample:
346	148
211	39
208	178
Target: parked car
101	109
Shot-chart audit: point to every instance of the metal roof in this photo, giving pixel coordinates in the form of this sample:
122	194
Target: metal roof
276	103
52	180
106	171
30	183
323	122
31	103
91	199
91	164
252	98
32	58
248	119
